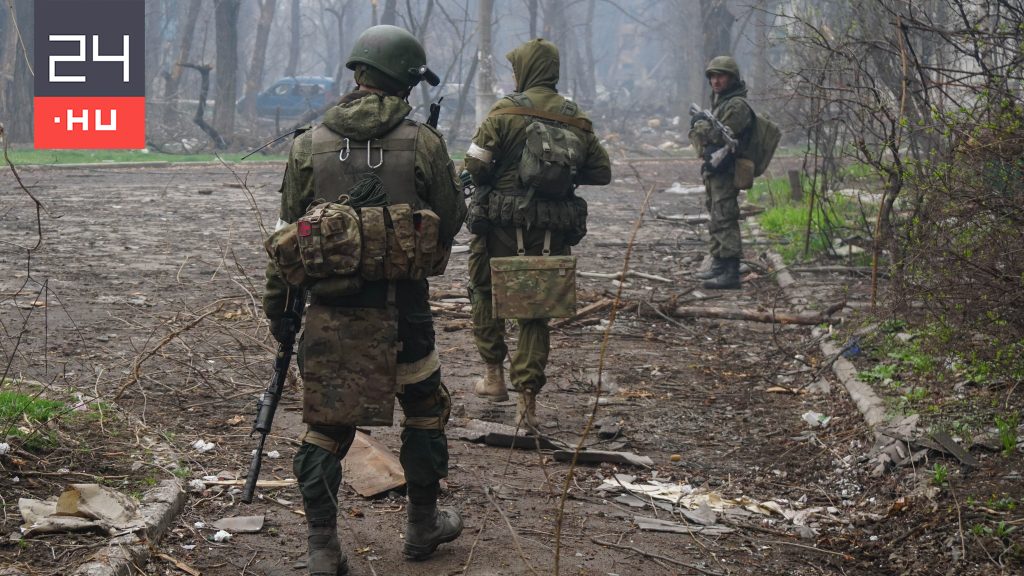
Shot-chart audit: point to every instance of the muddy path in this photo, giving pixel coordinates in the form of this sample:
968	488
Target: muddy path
152	283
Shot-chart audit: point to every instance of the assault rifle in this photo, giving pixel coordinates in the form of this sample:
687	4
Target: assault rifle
730	140
266	406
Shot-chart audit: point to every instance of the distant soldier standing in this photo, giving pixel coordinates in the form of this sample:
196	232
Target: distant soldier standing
729	105
365	331
507	214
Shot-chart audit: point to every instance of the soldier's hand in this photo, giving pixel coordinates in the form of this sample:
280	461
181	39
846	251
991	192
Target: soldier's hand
279	329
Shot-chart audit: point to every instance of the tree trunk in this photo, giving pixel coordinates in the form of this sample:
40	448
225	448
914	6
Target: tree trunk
460	108
717	24
531	9
421	33
390	14
293	48
588	82
339	15
254	80
19	111
226	20
555	28
184	55
485	64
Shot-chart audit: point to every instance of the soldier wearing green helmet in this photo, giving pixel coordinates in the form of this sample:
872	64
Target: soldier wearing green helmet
721	192
382	333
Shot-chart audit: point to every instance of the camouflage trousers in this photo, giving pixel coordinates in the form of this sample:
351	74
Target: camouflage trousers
424	452
722	202
526	370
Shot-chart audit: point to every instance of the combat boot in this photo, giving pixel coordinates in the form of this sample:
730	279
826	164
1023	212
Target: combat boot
325	555
428	527
526	410
716	268
492	385
729	279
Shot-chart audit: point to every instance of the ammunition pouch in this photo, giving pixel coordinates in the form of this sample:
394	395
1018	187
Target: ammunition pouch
569	216
338	246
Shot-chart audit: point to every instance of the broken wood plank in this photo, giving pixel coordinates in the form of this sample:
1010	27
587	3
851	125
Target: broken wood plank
949	445
585	311
598	456
503	436
808	318
782	275
658	525
259	483
370	467
618	275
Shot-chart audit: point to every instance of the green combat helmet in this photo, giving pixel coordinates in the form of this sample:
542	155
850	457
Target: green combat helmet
395	52
723	65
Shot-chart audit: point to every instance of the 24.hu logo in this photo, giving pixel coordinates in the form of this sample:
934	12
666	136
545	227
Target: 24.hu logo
90	89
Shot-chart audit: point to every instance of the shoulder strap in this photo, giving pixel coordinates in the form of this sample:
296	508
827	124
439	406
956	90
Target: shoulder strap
581	123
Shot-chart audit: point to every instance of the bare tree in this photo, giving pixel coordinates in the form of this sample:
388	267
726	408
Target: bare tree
254	80
19	107
226	19
485	61
296	34
172	78
717	24
390	14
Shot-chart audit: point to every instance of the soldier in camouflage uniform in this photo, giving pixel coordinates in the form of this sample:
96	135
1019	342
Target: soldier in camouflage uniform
730	107
388	62
492	162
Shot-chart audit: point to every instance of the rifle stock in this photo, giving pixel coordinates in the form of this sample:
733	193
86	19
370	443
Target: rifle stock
266	406
435	113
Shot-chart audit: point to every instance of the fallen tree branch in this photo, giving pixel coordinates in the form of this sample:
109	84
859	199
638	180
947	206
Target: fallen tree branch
771	316
585	311
137	368
652	555
204	88
618	276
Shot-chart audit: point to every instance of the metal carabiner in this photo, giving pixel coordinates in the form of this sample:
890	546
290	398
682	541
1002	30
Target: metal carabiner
344	152
378	164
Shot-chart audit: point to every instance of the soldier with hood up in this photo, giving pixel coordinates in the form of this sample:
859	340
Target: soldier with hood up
379	336
509	213
729	106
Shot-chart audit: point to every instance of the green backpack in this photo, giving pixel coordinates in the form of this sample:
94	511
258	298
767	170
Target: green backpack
763	139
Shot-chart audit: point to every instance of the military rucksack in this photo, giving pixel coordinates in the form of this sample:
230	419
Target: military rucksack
552	152
762	139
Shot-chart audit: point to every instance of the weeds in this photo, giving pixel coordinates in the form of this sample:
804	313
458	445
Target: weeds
940	473
1007	427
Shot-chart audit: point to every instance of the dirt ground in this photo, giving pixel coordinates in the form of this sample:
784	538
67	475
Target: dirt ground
145	293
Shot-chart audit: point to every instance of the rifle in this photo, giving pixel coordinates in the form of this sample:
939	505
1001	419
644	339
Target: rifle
266	406
435	113
730	140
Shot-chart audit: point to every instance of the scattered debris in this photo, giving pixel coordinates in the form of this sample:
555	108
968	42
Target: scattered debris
203	446
809	318
816	419
677	188
81	507
657	525
240	524
221	536
370	467
592	456
503	436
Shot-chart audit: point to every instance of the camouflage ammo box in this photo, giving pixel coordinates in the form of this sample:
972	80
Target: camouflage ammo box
533	286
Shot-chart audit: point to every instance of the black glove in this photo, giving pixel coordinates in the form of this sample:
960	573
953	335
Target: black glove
279	329
724	166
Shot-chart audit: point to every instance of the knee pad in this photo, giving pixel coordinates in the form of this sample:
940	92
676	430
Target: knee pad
440	403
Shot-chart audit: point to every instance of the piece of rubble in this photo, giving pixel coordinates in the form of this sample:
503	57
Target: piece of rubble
658	525
370	467
596	456
240	524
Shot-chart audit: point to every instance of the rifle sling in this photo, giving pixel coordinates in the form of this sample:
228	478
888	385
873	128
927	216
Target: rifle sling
581	123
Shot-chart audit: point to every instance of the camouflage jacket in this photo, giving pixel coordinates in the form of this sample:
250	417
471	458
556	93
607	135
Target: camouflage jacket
732	109
362	116
499	139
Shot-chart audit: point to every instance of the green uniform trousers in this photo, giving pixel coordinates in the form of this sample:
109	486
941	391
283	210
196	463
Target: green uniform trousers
526	371
424	452
722	201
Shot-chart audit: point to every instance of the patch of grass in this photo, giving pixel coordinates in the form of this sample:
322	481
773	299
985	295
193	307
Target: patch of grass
1007	427
30	156
879	373
14	405
939	474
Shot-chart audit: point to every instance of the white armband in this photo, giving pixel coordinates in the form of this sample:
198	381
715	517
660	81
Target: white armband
482	154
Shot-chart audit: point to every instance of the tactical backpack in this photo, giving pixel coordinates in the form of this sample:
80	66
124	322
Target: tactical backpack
552	152
763	139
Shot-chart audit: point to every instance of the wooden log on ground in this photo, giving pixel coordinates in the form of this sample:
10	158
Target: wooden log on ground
777	317
782	275
585	311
